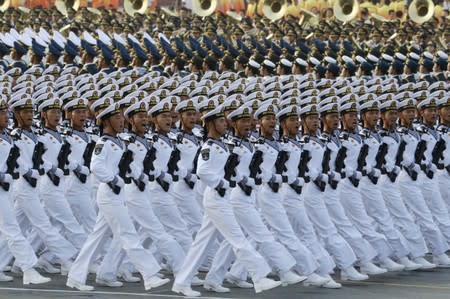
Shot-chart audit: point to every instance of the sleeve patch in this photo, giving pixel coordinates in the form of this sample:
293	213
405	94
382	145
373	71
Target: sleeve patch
98	149
205	154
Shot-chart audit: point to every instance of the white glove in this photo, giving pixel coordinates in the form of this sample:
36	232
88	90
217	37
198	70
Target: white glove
7	178
396	170
238	177
357	175
431	167
166	177
375	172
58	172
47	166
249	182
277	178
291	179
155	173
349	172
33	173
323	177
182	173
191	178
119	182
298	181
72	165
84	170
415	167
334	176
224	184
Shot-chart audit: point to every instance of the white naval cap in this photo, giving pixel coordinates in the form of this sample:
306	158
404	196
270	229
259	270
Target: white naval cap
213	114
443	102
428	103
207	105
187	105
23	103
289	111
348	108
162	107
266	109
102	103
50	104
109	111
76	104
389	105
309	110
241	112
372	105
136	108
407	104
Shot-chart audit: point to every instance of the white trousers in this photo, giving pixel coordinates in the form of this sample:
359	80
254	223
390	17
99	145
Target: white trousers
113	218
30	213
10	230
272	209
317	212
295	209
436	204
276	255
219	219
443	178
354	208
412	196
187	203
60	212
363	250
169	215
79	197
376	208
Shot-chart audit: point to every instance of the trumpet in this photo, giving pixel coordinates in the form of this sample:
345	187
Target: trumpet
274	9
346	10
421	11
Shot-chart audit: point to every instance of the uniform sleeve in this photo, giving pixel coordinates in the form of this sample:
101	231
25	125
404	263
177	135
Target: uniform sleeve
207	167
100	161
46	165
266	171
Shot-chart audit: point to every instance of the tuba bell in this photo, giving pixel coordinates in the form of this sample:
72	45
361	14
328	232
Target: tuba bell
63	5
4	5
421	11
204	8
346	10
274	9
135	6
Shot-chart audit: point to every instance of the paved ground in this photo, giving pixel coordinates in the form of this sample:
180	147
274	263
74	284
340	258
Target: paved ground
434	284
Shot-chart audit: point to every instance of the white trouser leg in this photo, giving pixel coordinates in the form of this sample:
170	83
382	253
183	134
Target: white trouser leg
304	229
59	210
28	202
169	215
376	208
352	202
443	178
402	218
187	203
317	212
363	250
271	205
437	206
79	197
10	230
413	198
141	211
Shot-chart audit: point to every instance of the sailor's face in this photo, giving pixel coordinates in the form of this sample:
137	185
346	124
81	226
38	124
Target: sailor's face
164	122
139	122
268	123
444	113
220	125
429	115
390	119
332	120
350	120
117	122
189	119
3	119
78	117
242	126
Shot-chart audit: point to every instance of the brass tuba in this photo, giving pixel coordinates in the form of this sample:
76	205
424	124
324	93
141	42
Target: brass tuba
274	9
63	5
421	11
4	5
135	6
204	8
346	10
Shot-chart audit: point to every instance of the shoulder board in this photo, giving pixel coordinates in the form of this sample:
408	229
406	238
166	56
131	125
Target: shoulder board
180	137
383	133
343	136
364	133
442	129
16	133
305	139
422	129
402	130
